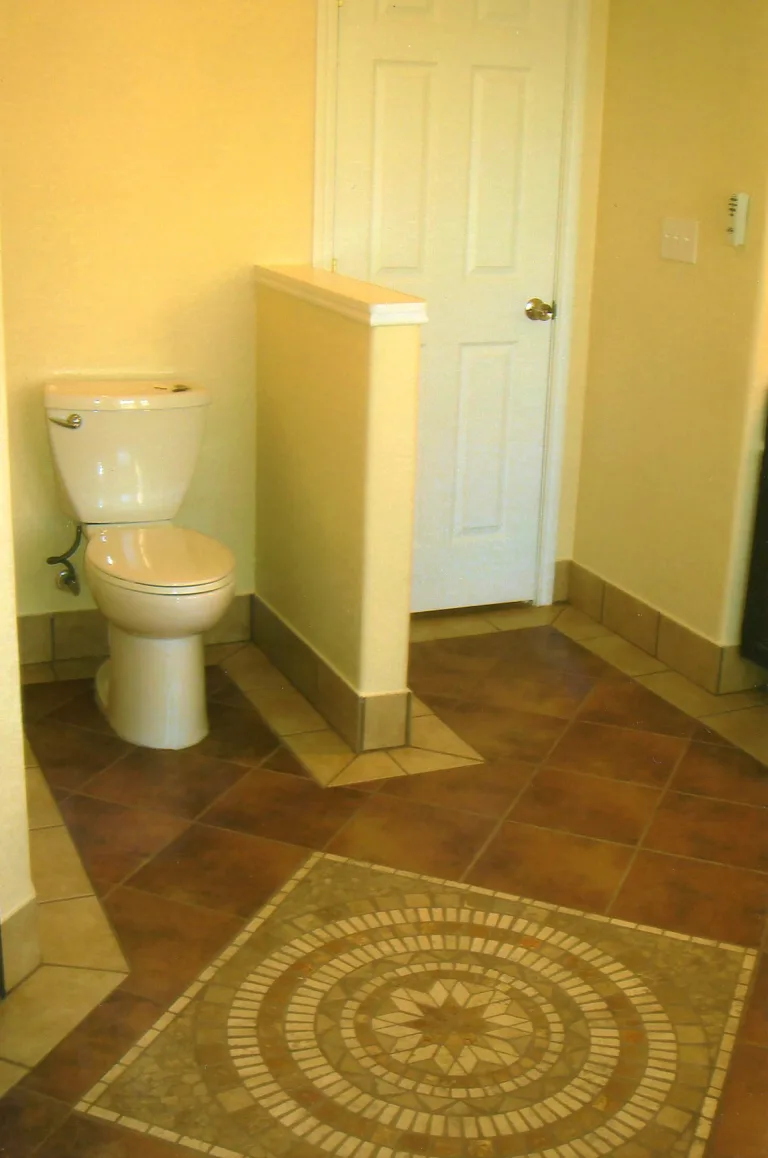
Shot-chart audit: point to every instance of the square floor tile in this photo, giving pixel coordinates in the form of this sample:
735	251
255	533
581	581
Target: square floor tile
446	669
80	1137
100	1040
587	805
704	900
628	705
26	1120
619	753
552	866
488	789
754	1028
180	783
726	773
112	840
76	932
69	756
412	836
284	807
236	733
82	711
741	1128
219	869
505	733
165	943
40	1011
57	871
735	834
39	699
556	692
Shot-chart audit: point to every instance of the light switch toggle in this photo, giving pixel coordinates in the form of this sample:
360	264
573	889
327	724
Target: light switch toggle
680	239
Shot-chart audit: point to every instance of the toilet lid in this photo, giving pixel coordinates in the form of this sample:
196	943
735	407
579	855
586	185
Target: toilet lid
159	556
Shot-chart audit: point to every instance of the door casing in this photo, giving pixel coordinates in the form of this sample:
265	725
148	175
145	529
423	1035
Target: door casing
567	242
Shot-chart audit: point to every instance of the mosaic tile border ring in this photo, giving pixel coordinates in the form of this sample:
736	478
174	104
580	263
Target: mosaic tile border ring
685	1129
315	984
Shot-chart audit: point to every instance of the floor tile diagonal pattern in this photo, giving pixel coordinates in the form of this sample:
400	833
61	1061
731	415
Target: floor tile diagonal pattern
179	846
367	1012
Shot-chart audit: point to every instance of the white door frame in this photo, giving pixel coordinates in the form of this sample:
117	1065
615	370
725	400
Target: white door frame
567	240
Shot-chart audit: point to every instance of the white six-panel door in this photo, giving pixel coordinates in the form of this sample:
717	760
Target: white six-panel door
449	143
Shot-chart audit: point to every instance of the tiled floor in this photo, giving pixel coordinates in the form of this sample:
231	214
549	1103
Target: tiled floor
595	793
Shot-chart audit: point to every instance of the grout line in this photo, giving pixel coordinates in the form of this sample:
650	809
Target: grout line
641	840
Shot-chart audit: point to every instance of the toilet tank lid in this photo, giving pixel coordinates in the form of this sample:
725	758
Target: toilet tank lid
140	394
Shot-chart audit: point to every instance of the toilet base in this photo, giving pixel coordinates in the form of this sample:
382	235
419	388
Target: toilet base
152	691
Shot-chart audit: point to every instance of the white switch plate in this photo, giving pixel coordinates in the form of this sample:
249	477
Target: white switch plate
679	239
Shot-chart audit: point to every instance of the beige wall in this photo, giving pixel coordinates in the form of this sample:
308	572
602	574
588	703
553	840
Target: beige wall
152	151
671	375
336	456
591	84
15	883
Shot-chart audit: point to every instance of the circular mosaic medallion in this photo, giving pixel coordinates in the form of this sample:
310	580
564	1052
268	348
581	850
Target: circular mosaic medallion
451	1032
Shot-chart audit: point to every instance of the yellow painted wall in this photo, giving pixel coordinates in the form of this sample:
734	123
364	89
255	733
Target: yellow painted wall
336	456
152	151
16	888
671	365
593	82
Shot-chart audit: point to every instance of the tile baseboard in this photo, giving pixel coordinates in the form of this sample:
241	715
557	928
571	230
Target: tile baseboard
366	723
20	944
65	635
720	670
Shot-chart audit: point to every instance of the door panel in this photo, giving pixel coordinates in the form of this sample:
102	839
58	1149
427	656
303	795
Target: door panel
449	141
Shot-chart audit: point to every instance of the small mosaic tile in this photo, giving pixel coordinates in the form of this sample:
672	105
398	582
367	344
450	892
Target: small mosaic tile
366	1011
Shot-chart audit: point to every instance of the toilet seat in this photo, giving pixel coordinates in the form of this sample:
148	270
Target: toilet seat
159	559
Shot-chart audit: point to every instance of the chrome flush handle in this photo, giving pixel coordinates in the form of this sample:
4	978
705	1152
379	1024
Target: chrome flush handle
71	422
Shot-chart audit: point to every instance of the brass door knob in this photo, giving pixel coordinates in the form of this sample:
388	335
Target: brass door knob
539	311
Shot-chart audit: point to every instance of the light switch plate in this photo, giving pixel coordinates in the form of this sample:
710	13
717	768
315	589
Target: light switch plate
680	239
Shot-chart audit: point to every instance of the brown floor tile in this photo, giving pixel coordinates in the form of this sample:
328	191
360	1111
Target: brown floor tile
82	1137
629	705
734	834
587	805
40	699
237	733
488	789
741	1126
551	866
70	756
551	692
283	760
538	648
180	783
165	943
83	712
754	1028
415	837
222	688
284	807
26	1120
447	667
726	773
505	734
113	840
219	869
95	1046
620	753
704	900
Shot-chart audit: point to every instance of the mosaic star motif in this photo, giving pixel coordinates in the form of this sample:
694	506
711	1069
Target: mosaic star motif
455	1024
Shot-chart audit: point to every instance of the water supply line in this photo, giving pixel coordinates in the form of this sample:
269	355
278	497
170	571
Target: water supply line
66	579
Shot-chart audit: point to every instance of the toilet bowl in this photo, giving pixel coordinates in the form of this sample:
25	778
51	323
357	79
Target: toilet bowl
160	587
124	452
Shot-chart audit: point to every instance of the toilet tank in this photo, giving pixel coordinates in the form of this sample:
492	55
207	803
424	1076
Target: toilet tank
124	450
